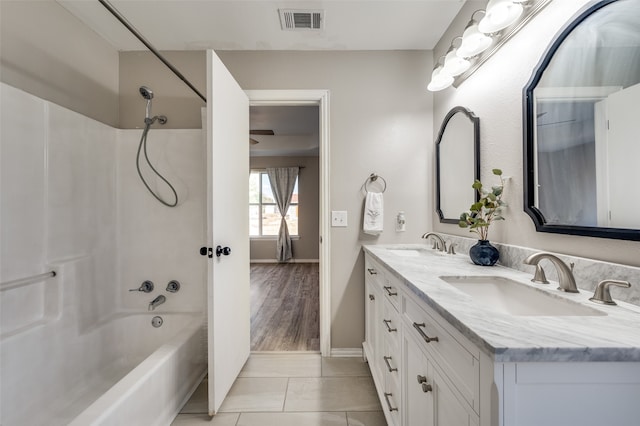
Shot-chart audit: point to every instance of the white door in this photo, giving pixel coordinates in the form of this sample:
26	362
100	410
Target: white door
623	154
227	226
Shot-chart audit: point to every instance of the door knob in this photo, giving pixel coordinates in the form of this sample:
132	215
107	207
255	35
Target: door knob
223	250
206	251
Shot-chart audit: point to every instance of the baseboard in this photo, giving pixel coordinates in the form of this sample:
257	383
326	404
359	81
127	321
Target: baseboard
346	352
288	261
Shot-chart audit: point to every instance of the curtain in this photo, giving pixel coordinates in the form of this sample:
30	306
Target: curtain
283	180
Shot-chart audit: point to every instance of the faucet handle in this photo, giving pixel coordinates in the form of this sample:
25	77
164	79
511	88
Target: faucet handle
451	249
602	293
539	276
146	287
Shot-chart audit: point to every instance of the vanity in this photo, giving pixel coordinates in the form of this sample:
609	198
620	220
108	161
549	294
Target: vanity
451	343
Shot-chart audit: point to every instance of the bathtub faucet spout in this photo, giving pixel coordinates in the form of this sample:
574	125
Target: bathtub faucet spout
157	302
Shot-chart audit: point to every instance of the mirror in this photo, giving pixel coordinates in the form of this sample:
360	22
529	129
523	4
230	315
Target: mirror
457	164
581	120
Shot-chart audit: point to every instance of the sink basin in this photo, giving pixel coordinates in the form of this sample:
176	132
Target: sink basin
507	296
412	252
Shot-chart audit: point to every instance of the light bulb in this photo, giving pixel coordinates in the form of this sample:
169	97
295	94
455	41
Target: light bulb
455	65
473	42
499	15
439	80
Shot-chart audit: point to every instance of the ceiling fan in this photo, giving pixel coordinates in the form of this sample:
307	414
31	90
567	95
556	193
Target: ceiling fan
261	133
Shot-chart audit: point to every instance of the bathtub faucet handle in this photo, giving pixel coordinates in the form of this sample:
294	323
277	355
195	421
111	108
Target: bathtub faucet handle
146	287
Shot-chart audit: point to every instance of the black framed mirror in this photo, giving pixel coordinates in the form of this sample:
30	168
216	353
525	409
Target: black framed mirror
457	164
581	124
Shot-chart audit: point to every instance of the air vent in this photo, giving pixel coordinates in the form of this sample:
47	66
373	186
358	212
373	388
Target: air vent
301	20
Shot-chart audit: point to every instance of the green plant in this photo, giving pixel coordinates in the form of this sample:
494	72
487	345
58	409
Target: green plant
485	210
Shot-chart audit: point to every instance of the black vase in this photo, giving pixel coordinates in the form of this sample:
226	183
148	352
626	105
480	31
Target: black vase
484	254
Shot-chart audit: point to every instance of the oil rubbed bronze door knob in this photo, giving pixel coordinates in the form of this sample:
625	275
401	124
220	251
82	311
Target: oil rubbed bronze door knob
223	251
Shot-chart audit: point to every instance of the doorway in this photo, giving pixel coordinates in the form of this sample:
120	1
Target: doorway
308	272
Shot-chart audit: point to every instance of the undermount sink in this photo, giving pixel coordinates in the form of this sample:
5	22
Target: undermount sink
511	297
412	252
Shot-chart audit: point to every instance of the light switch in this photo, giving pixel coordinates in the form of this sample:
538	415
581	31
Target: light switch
338	218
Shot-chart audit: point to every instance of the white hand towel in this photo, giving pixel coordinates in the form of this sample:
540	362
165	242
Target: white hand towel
373	213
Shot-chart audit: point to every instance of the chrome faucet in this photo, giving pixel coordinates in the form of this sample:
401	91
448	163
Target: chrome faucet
439	243
565	273
157	302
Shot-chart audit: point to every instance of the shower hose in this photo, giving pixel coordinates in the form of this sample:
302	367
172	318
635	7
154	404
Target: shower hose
143	147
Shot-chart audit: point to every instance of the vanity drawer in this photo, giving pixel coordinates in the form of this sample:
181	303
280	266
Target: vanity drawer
391	290
372	271
462	366
390	324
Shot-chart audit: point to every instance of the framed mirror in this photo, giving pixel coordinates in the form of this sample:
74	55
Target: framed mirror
582	126
457	164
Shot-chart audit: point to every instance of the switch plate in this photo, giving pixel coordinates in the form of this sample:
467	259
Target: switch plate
338	218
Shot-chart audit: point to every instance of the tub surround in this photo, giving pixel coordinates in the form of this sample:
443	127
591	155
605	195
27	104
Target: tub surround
508	338
72	202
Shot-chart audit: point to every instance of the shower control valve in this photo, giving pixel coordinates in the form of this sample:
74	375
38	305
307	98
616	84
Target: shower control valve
173	286
146	287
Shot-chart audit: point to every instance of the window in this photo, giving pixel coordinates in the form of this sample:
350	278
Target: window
264	217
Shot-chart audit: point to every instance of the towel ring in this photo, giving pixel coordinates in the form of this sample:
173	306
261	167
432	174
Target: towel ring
372	178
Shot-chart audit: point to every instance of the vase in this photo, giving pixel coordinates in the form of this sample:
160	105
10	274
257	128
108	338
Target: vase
484	254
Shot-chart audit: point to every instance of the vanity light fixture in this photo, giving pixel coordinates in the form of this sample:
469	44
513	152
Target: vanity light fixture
439	80
481	39
473	41
454	65
499	15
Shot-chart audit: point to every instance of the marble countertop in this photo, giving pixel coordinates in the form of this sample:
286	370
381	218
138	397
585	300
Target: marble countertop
510	338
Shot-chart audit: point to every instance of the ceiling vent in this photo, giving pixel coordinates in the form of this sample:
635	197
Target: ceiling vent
301	20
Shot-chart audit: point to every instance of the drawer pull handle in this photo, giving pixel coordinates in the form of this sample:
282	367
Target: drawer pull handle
389	292
372	297
389	367
372	271
422	380
424	336
389	329
386	397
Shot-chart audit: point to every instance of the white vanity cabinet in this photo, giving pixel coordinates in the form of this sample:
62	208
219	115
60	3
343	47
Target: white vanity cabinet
517	371
383	345
423	374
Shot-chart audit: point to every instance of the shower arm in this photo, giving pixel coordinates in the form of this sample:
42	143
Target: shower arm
149	46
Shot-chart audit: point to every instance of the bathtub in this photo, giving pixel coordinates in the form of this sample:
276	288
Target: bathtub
122	372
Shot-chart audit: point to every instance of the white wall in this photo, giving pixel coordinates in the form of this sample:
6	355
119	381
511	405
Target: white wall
494	94
156	242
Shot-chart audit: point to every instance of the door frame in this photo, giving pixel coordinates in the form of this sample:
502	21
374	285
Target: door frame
320	98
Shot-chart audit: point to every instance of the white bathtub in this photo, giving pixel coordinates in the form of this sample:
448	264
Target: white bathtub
123	372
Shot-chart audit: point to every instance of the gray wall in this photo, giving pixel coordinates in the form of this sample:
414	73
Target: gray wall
494	94
307	246
49	53
380	121
173	98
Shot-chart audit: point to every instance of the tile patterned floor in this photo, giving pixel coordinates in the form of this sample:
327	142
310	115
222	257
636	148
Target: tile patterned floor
276	389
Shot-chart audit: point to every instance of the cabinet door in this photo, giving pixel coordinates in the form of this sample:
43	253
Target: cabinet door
373	321
418	386
449	410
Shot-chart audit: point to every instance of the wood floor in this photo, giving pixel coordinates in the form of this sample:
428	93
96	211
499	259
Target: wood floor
285	307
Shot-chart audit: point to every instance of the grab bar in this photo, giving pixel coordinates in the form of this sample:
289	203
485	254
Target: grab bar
8	285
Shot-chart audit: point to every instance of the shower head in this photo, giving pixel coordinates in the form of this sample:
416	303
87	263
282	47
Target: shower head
146	92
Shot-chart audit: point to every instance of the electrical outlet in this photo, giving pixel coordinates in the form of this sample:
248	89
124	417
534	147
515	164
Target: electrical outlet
338	218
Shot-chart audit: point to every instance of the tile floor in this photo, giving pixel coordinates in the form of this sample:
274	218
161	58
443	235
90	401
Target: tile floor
275	389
